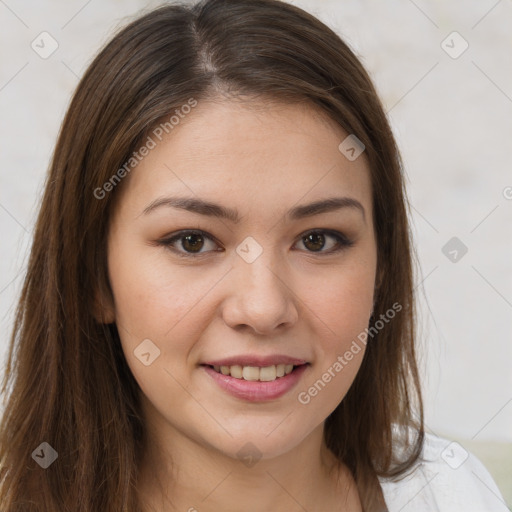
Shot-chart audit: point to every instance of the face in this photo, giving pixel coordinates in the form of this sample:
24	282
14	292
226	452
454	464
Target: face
237	303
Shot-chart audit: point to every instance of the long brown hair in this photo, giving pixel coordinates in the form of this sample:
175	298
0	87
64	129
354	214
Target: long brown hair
67	382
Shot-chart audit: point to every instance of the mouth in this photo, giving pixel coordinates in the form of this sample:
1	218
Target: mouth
255	373
256	379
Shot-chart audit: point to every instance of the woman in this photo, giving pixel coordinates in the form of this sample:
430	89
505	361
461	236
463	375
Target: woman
218	312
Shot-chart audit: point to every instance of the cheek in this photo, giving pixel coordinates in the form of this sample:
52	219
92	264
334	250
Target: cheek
151	296
339	352
343	299
341	303
154	311
161	303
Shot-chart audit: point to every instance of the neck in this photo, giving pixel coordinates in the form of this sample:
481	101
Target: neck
179	474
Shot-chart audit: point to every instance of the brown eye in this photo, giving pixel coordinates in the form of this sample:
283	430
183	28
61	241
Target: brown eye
314	241
320	239
192	243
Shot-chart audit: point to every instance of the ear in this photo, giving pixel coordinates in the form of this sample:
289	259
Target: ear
103	307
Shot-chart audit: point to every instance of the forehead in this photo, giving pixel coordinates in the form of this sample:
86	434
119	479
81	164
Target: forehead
250	154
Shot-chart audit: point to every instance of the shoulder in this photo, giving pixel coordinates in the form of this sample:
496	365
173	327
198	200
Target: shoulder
446	479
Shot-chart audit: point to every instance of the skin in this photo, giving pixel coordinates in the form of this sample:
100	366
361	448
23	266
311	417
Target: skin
262	159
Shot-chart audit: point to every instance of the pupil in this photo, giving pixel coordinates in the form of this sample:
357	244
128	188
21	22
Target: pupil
192	243
317	240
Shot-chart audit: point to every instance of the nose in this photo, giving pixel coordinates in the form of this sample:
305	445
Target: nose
260	299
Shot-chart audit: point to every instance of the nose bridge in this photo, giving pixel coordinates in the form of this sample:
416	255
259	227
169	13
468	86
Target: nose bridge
261	280
255	261
261	298
262	277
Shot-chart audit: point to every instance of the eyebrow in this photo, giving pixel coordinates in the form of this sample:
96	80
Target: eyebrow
210	209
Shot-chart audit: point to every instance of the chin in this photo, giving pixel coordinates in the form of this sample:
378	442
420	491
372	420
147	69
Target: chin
253	440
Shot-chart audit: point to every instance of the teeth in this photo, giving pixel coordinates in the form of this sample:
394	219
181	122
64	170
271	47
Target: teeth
253	373
268	373
236	371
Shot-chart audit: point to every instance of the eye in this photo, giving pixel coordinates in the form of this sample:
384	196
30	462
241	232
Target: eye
196	242
189	243
317	240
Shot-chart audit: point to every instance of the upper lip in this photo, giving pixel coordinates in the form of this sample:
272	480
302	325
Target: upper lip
255	360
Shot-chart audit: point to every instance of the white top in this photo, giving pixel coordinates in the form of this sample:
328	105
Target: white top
449	480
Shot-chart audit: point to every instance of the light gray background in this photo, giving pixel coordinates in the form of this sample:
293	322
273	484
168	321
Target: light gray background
453	121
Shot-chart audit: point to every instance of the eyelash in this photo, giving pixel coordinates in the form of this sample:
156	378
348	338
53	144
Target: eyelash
341	240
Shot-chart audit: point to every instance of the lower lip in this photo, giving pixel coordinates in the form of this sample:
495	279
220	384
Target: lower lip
255	390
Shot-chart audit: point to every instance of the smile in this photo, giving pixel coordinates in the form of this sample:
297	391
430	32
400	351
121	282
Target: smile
255	373
256	379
